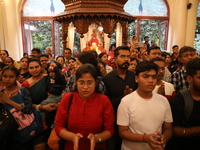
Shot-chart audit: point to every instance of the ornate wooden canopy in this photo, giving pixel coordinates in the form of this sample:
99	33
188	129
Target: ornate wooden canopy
83	13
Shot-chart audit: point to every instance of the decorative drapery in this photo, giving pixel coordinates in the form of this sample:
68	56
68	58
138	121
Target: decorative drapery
70	36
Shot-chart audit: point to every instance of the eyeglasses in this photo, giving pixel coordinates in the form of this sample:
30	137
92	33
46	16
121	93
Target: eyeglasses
88	83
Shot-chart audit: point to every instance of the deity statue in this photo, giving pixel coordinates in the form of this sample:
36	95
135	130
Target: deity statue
94	44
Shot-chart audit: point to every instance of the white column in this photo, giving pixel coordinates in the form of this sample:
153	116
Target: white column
70	37
118	34
12	28
106	42
177	23
191	23
2	34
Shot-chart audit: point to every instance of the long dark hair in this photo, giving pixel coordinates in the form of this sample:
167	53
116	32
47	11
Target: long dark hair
87	68
87	57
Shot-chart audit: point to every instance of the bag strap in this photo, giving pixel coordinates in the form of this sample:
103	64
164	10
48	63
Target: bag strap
70	101
188	104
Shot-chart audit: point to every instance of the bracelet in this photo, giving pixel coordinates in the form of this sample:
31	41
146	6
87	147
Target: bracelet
143	137
184	131
22	107
41	108
37	107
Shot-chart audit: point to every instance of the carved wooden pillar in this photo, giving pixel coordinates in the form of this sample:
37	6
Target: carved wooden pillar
82	25
65	25
109	26
63	36
124	32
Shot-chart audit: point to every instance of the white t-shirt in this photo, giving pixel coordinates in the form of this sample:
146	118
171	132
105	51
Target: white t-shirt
169	88
143	116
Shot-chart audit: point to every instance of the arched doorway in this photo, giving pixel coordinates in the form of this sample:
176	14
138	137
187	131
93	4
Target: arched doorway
39	30
152	19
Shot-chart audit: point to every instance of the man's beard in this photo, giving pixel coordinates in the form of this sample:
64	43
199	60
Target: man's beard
124	66
196	87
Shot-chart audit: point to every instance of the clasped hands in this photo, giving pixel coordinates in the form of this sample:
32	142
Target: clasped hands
156	141
50	107
93	140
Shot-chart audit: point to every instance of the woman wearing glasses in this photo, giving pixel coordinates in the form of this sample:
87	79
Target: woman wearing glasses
89	121
83	58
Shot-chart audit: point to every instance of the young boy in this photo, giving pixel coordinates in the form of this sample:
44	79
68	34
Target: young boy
144	118
162	87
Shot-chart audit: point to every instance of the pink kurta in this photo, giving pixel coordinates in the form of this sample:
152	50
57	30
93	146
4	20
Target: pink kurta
94	116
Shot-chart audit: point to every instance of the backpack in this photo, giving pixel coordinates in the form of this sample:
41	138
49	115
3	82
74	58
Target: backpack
188	104
29	124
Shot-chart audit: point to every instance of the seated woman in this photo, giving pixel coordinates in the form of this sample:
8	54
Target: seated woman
102	67
104	57
4	54
38	86
111	61
2	85
16	99
90	117
23	71
71	67
61	61
133	63
9	61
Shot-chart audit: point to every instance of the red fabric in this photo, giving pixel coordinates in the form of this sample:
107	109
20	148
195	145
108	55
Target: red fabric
25	84
94	116
169	97
95	41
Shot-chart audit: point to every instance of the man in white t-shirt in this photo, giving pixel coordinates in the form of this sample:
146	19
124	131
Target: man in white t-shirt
144	118
162	87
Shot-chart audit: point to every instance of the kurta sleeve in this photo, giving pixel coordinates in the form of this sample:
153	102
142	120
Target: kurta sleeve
62	113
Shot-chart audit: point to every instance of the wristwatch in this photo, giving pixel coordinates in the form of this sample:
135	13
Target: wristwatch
99	138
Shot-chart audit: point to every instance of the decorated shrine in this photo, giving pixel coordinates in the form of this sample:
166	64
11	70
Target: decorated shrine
103	15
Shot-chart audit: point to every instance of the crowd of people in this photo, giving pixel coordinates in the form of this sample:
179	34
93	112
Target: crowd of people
129	98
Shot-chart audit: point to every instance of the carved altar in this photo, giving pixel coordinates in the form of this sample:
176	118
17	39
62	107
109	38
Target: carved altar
82	13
